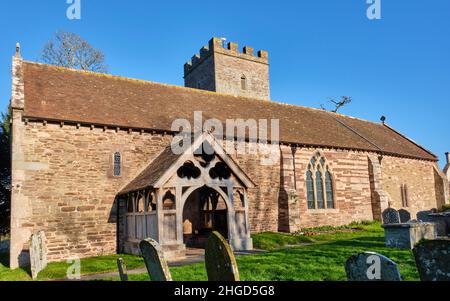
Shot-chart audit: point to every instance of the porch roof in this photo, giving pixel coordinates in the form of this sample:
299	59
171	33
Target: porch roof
153	172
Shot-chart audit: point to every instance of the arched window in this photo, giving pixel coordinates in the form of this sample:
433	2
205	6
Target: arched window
319	190
310	190
329	190
117	164
319	185
243	82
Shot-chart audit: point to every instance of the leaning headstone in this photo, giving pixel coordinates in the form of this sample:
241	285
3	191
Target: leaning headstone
122	270
38	253
157	267
371	266
390	216
433	260
219	259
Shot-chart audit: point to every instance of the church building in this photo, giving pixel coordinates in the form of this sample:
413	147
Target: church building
93	164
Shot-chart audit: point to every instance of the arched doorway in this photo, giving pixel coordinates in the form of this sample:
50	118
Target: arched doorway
204	211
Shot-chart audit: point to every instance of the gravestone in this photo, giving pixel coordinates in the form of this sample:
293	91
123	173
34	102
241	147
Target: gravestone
219	259
404	215
38	253
157	267
390	216
442	221
122	270
407	235
371	266
433	260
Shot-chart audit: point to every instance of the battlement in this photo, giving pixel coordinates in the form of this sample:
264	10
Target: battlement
216	45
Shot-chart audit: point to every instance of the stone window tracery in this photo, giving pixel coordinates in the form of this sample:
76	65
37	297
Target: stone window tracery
319	184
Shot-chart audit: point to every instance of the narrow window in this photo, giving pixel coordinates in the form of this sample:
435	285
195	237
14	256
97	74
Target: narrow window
319	189
404	192
310	190
405	188
117	164
243	82
329	188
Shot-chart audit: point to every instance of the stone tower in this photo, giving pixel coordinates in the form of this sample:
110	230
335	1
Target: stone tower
229	71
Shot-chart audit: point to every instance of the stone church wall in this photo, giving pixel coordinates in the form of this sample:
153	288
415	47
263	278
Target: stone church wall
419	177
69	191
351	189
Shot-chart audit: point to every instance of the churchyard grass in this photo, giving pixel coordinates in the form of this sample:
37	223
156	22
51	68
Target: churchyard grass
319	257
58	270
272	241
322	260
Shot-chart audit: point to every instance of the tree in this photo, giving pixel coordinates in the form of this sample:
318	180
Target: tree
70	50
338	104
5	172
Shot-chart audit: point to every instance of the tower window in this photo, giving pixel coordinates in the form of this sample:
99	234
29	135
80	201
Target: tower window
243	82
117	164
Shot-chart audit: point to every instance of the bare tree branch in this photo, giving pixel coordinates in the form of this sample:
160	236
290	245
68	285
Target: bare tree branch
70	50
338	104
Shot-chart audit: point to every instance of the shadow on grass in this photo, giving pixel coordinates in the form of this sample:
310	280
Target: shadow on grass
21	274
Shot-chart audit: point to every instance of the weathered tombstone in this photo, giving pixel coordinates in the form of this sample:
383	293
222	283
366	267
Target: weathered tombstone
433	260
407	235
404	215
219	259
390	216
442	221
38	253
122	270
157	267
423	216
371	266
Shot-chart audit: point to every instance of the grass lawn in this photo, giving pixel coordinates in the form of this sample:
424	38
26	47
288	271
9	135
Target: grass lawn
324	259
95	265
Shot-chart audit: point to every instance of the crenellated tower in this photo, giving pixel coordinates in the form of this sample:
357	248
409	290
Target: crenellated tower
228	70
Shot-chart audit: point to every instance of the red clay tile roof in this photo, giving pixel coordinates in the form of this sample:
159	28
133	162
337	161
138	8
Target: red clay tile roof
60	94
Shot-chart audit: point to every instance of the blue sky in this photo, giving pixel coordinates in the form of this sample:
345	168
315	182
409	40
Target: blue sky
398	66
